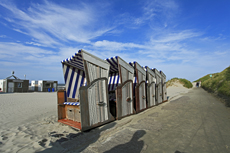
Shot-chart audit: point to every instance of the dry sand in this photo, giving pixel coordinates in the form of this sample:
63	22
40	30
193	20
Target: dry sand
28	121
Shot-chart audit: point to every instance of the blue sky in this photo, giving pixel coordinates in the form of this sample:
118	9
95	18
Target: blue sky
186	39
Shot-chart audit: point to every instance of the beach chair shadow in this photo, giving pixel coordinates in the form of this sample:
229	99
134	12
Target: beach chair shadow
134	145
78	142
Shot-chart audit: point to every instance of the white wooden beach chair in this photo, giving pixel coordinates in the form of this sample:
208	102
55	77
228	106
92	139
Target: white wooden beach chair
120	86
139	87
84	104
158	86
164	89
151	86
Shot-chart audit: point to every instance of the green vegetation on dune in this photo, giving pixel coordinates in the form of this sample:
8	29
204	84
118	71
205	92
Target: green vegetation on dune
204	78
184	82
218	84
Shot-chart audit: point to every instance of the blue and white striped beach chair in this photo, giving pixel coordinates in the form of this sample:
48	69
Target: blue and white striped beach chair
151	85
139	81
120	86
84	104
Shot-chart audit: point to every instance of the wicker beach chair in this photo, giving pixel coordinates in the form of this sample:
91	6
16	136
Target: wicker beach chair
151	86
164	89
120	86
84	104
139	87
158	86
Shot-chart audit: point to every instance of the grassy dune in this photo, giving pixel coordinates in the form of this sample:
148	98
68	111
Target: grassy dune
218	84
184	82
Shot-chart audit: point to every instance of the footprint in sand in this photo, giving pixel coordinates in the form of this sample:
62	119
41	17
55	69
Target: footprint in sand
4	138
42	142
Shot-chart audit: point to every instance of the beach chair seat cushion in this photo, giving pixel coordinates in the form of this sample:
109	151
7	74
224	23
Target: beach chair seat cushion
72	103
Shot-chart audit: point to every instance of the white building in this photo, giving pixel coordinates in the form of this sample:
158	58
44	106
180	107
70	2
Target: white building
44	85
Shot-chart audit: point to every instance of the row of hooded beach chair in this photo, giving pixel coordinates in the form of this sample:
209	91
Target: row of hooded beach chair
100	91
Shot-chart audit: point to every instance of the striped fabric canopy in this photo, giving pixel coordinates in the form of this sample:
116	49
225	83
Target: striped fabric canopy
114	78
75	61
132	64
114	81
74	79
72	103
74	75
113	64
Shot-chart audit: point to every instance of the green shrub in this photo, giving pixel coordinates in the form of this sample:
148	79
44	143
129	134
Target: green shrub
228	74
186	83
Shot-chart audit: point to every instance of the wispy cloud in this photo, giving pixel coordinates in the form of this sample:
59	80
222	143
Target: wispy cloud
49	23
2	36
19	53
112	45
176	36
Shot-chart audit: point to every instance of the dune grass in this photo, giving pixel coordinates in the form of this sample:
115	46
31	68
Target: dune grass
186	83
218	84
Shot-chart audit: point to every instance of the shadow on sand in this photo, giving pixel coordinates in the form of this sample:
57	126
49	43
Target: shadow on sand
77	142
134	145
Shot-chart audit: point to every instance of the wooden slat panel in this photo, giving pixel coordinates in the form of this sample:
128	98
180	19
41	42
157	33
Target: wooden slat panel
125	65
93	59
124	102
143	96
140	97
160	90
124	74
151	94
104	96
150	98
61	112
61	97
74	124
130	76
93	107
125	108
131	96
89	117
61	107
140	77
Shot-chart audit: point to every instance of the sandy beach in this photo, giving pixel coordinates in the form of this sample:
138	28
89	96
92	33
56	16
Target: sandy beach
28	121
